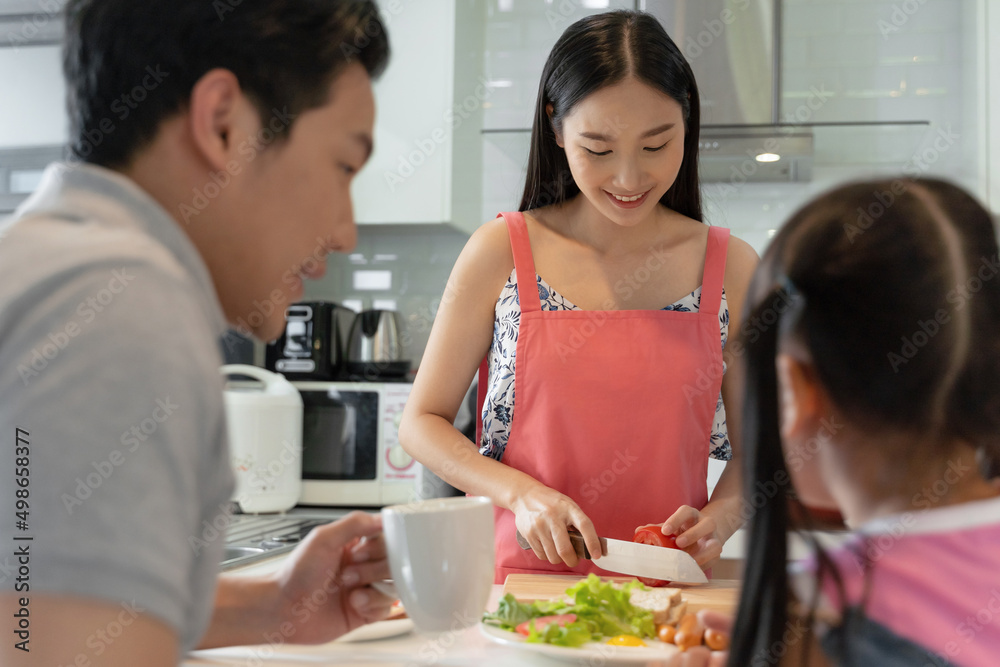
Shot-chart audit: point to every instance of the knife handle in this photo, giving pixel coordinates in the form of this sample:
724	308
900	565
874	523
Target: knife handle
575	538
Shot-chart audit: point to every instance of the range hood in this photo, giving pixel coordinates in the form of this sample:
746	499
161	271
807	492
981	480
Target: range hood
734	48
31	22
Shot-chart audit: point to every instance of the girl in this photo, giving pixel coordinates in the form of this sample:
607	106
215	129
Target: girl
604	304
874	392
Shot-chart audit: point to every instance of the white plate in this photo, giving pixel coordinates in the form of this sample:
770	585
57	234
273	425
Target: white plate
378	630
594	652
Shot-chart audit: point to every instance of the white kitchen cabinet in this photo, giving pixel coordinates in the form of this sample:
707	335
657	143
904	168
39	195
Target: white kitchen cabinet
990	123
32	97
429	104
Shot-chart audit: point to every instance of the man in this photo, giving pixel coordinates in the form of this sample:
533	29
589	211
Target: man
214	145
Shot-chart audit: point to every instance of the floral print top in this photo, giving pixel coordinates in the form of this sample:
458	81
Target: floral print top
499	404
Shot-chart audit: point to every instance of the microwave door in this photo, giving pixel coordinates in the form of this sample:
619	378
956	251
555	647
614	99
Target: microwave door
329	440
339	436
349	441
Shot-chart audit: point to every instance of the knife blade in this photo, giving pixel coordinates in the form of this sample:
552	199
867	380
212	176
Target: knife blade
637	560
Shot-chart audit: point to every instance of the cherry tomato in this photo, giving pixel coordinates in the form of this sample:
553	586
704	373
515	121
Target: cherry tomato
651	534
542	621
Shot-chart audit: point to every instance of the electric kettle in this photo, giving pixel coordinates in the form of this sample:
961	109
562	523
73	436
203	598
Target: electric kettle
264	421
375	346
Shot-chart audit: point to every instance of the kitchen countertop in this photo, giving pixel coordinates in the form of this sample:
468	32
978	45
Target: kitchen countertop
463	647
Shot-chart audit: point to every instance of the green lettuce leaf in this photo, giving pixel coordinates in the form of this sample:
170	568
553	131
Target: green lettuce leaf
602	610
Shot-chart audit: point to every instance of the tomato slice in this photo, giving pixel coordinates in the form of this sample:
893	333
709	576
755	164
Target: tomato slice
542	621
651	534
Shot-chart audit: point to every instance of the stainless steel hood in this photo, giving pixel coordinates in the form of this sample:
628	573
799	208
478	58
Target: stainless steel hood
734	47
31	22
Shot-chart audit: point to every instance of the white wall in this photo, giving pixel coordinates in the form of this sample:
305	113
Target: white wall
991	121
32	97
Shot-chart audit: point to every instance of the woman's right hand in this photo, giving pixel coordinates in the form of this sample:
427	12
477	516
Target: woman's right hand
542	515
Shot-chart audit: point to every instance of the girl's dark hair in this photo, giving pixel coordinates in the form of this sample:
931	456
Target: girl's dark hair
130	65
599	51
892	288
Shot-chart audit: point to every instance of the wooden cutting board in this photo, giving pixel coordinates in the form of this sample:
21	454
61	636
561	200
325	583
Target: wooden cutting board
718	594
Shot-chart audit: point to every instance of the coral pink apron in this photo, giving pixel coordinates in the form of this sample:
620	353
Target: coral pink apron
612	408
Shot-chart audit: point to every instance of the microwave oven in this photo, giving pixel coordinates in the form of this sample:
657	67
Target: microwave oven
351	456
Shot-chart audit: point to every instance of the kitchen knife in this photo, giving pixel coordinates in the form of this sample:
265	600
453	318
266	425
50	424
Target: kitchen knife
638	560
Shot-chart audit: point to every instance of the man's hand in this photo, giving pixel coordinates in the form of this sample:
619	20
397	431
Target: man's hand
321	592
324	584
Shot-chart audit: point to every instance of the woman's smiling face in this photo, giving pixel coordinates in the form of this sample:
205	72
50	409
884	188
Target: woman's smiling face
624	144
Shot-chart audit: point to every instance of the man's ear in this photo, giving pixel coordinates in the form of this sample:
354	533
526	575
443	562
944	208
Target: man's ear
548	112
801	399
219	116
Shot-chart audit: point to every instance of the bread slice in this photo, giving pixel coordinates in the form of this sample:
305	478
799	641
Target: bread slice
663	602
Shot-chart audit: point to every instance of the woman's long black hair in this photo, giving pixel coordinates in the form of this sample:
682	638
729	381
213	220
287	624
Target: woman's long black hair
851	278
599	51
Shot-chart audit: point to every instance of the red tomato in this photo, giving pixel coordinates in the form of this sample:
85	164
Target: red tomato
542	621
651	534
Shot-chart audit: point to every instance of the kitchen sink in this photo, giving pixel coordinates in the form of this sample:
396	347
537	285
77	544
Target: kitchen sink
232	553
254	537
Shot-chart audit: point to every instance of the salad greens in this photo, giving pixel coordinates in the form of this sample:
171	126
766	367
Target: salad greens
602	610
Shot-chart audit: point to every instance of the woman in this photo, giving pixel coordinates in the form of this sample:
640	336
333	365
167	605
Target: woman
616	354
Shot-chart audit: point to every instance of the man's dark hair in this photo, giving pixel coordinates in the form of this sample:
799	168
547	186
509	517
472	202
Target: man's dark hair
130	65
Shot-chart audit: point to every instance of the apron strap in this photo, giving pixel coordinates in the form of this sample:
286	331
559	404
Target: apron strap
524	264
527	293
715	270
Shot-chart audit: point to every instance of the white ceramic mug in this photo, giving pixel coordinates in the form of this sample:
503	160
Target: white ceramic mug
441	556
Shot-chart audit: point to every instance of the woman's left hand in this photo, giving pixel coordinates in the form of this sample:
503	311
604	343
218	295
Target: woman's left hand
697	534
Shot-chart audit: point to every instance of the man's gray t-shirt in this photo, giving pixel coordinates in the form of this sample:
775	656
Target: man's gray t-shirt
109	329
